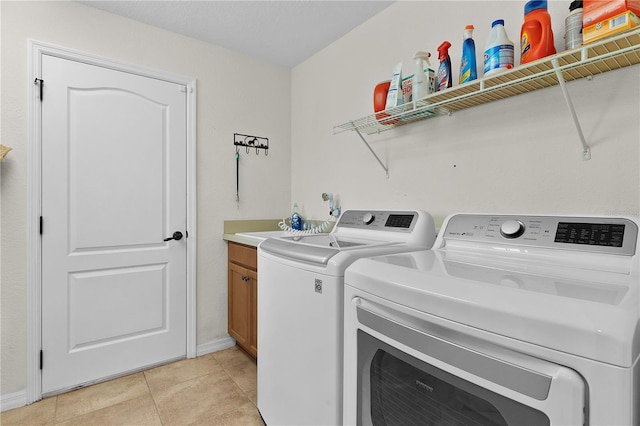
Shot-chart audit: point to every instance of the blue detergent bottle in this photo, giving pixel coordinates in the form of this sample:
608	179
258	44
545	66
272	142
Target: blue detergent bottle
443	79
468	67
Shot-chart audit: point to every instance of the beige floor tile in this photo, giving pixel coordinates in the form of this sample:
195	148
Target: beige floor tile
39	413
215	389
181	371
245	415
139	411
100	396
252	395
231	356
244	374
199	400
241	368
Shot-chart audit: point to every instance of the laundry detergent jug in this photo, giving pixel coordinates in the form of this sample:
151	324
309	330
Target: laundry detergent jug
536	35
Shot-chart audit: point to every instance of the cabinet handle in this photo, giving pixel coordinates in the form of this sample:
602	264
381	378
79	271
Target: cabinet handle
245	278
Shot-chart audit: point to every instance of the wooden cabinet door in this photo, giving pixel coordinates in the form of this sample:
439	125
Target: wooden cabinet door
243	297
240	303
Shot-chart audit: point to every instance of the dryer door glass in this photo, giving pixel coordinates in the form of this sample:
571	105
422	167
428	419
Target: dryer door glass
398	389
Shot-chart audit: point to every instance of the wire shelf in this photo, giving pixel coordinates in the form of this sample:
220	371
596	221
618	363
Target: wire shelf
609	54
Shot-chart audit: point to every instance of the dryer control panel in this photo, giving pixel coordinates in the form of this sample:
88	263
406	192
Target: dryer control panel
403	221
594	234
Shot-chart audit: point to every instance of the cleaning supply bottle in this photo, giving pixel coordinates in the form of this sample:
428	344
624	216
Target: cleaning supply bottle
536	35
468	68
443	79
573	26
296	219
498	52
394	94
420	84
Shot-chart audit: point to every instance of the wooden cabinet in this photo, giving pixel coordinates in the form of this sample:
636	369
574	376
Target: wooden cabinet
243	297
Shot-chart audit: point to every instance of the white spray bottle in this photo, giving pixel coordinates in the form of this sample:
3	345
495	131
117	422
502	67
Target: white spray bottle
420	85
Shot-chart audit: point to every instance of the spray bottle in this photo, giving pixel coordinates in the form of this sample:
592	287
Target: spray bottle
468	67
420	85
443	79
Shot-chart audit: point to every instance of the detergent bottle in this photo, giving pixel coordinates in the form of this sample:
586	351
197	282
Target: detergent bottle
498	52
443	79
536	35
468	68
420	85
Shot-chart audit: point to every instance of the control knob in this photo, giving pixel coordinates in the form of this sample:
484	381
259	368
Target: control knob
368	218
512	228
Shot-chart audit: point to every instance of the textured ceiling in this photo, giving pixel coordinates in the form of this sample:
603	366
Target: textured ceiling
281	32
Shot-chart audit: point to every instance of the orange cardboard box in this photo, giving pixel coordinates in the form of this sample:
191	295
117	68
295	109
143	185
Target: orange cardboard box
610	26
594	11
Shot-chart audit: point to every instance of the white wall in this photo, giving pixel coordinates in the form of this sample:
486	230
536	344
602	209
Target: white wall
235	94
516	155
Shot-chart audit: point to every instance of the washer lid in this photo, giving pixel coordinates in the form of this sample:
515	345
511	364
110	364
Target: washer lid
316	249
591	314
287	248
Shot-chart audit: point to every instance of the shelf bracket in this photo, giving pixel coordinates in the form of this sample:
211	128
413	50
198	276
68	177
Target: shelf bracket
386	170
586	151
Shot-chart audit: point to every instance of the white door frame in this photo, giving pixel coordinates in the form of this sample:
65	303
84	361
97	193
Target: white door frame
34	195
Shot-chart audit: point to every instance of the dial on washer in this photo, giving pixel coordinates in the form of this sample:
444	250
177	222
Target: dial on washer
512	228
368	218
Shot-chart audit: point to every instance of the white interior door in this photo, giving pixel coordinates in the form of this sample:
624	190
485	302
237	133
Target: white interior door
113	188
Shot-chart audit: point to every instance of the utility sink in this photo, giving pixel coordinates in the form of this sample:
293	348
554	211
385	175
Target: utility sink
263	235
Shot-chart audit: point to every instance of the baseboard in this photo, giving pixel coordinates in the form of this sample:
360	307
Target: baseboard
215	345
13	400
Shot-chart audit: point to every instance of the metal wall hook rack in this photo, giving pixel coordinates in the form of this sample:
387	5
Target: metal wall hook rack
249	141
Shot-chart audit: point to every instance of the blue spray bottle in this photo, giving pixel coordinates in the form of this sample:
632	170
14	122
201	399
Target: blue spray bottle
443	79
468	67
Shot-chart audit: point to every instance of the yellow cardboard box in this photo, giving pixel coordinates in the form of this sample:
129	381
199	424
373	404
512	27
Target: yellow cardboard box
610	26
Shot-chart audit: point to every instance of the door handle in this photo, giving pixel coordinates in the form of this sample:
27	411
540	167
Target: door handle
176	236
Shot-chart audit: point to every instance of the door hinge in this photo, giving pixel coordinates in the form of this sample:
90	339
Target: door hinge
41	83
41	221
41	359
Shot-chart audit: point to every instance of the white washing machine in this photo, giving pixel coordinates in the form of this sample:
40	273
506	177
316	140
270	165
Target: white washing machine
509	320
300	310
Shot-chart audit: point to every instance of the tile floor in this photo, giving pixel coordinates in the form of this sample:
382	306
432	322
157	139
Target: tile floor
213	389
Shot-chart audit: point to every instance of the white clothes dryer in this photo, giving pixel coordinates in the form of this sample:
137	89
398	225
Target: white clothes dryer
508	320
300	310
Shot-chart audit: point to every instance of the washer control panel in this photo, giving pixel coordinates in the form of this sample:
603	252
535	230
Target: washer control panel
595	234
403	221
